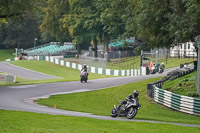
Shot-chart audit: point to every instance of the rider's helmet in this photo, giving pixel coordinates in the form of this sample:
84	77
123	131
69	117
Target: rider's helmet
162	63
135	93
84	65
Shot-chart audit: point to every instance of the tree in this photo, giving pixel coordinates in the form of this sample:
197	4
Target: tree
17	8
164	22
20	34
52	21
82	23
18	22
158	23
111	18
184	19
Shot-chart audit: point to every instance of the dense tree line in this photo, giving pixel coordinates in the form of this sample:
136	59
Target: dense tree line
157	23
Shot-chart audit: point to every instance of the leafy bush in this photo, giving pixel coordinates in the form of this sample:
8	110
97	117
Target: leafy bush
193	95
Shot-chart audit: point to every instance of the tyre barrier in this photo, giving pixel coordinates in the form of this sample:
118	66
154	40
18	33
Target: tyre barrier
171	100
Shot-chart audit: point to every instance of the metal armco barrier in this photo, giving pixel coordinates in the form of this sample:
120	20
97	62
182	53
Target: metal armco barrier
177	102
171	100
7	78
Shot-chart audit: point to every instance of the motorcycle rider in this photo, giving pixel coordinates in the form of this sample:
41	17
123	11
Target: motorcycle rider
153	68
130	97
84	69
162	65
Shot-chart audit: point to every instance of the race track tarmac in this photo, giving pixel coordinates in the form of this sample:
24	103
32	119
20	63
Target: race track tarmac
23	72
21	98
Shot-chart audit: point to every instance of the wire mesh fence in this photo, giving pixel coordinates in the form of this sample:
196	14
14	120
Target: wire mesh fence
124	63
92	61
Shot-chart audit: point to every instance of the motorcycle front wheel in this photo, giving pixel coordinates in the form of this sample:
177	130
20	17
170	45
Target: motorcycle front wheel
113	113
131	113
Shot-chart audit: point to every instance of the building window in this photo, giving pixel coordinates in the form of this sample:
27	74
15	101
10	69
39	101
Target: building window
181	46
188	46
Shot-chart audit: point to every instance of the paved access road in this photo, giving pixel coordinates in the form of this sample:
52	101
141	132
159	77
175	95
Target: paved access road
21	98
23	72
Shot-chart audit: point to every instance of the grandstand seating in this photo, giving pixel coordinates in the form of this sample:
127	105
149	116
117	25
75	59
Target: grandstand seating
120	43
50	49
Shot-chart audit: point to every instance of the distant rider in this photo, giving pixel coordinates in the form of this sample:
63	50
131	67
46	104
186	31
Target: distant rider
162	66
84	69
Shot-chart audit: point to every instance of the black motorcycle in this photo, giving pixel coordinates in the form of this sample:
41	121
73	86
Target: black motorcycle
161	70
84	76
127	108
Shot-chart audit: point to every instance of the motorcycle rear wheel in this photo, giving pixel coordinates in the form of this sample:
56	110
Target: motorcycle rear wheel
131	113
113	113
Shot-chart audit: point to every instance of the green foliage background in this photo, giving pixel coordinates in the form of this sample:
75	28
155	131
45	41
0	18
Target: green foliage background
157	23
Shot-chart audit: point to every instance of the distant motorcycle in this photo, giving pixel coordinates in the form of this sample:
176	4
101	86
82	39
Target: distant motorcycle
161	70
127	108
162	67
153	70
84	76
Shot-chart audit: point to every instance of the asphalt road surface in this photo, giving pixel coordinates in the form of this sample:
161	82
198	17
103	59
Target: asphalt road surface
23	72
21	98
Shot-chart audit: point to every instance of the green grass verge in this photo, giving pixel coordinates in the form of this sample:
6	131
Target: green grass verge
25	122
67	74
5	83
6	54
185	85
101	102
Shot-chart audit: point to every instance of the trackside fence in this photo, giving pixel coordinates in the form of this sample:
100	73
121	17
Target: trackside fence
171	100
132	72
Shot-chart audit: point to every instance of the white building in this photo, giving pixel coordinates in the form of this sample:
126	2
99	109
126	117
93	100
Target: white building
183	50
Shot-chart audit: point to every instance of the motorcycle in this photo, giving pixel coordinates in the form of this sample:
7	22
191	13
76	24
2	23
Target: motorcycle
127	108
161	70
162	67
153	70
84	76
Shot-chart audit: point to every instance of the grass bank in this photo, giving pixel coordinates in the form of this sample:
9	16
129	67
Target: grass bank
67	74
185	85
101	102
24	122
6	54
